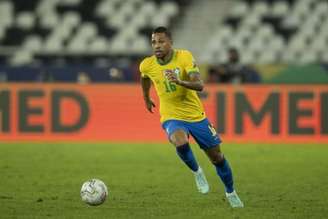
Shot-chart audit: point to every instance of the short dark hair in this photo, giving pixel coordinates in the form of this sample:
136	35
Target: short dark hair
162	29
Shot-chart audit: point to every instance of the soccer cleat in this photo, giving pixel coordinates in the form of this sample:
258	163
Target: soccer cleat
234	200
201	181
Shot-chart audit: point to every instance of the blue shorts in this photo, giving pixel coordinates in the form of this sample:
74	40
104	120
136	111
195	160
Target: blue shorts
202	131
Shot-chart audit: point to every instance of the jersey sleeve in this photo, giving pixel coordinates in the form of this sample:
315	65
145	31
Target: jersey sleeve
189	63
143	69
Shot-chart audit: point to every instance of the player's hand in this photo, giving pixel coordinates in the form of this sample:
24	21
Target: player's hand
172	77
149	105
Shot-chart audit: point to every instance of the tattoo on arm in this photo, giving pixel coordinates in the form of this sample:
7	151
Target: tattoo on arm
194	82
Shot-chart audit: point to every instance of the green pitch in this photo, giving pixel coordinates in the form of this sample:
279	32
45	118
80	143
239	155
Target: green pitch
149	181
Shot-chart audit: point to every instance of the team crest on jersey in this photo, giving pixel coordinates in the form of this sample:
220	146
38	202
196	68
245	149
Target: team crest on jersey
177	71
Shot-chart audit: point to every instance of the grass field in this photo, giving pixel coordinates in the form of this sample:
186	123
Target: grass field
149	181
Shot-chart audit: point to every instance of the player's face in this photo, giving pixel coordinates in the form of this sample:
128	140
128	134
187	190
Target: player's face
161	44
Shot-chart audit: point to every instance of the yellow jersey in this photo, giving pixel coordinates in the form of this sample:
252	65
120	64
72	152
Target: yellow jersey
176	102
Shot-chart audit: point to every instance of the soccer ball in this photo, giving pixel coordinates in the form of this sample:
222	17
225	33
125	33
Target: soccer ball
94	192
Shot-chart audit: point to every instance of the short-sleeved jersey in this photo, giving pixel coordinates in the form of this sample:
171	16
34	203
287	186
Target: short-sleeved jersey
176	102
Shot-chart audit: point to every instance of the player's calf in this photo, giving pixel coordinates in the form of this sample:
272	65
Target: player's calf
186	155
222	167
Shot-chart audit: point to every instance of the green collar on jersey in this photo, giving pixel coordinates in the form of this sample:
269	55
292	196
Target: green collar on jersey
159	61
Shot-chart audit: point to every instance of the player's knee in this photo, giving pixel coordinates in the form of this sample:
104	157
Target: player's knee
179	138
179	141
217	158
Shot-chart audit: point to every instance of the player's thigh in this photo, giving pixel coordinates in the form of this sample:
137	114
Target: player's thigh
176	131
204	134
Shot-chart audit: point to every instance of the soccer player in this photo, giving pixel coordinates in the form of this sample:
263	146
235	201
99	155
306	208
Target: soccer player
176	78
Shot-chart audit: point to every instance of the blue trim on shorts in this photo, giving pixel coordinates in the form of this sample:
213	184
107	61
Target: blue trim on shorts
200	131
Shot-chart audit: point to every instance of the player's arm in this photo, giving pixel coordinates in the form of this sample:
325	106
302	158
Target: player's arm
146	84
194	82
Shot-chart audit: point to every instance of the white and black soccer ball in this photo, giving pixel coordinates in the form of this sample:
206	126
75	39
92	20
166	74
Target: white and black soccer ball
94	192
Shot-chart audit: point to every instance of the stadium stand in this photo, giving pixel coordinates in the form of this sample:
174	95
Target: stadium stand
97	35
45	28
282	31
